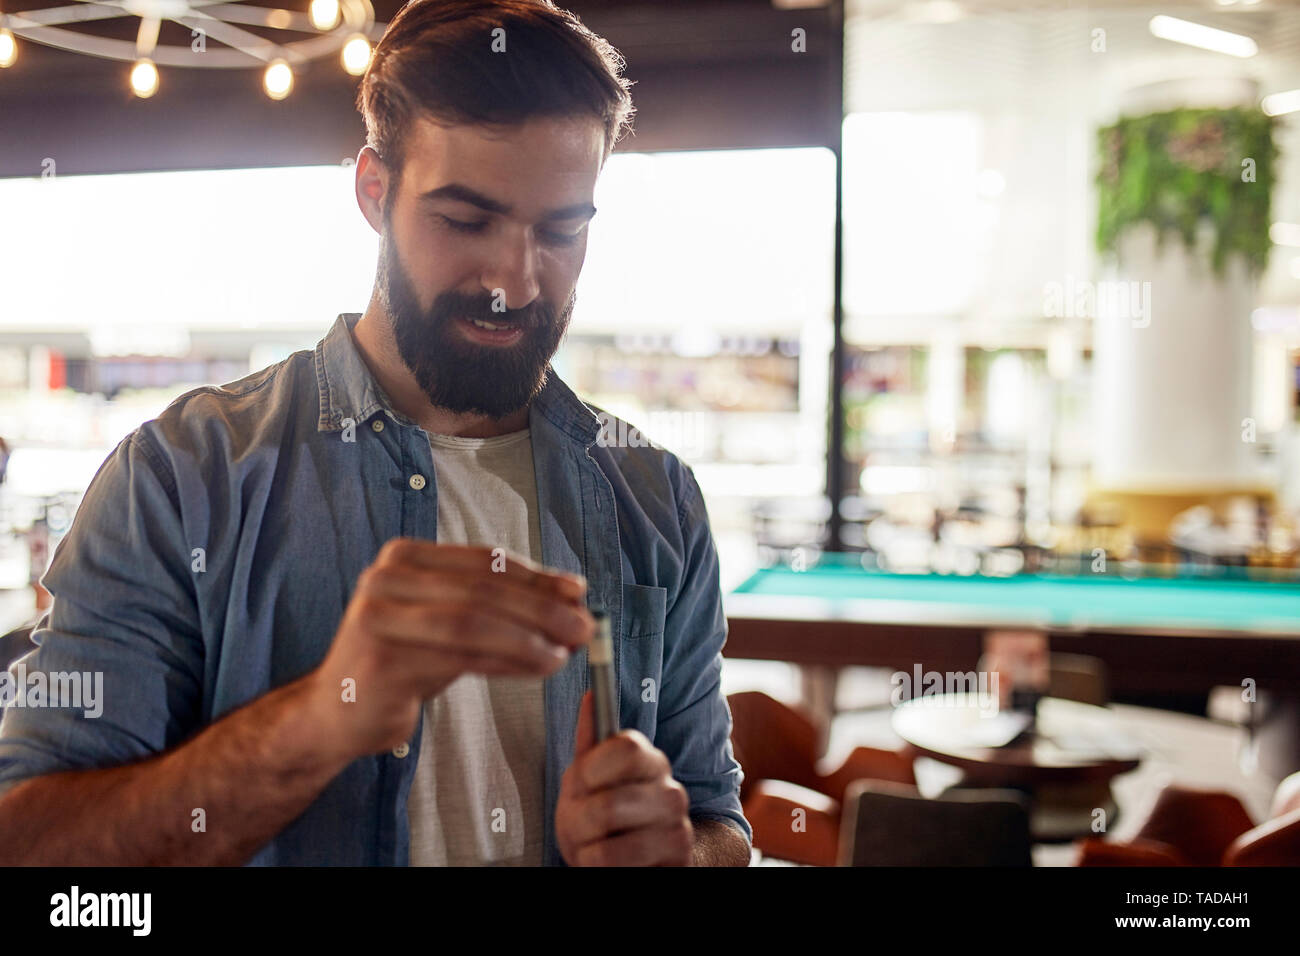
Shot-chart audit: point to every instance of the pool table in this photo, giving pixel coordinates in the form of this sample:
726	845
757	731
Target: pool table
1156	634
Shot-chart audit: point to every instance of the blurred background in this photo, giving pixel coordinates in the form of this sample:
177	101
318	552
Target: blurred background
980	288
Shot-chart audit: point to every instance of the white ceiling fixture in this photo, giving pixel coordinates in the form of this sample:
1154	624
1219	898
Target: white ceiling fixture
1199	35
1284	234
341	27
1275	104
933	11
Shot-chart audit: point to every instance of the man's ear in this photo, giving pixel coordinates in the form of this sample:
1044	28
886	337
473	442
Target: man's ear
372	182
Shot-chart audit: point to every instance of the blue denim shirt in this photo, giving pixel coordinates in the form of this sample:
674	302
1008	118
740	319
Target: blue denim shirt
289	481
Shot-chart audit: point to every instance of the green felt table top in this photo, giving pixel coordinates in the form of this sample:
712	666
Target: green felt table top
1235	603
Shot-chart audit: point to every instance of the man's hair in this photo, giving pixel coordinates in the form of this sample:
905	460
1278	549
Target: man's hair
436	60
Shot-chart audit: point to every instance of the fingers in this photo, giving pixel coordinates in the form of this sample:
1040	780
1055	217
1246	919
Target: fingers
458	629
423	667
670	846
514	568
535	610
619	804
503	585
652	804
626	757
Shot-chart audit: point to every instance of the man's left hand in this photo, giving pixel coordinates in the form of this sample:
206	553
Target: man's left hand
619	804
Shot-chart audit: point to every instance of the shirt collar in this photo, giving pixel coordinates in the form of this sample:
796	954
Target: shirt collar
348	390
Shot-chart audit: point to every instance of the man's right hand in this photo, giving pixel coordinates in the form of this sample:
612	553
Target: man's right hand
425	613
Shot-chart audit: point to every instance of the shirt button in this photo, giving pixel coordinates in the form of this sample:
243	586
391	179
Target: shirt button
417	482
377	424
401	750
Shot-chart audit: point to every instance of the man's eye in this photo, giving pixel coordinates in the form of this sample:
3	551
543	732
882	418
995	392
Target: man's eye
461	226
562	238
554	238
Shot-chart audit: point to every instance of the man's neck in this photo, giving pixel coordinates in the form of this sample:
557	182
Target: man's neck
373	338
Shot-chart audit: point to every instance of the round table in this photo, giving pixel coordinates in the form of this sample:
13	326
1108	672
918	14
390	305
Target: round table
1064	763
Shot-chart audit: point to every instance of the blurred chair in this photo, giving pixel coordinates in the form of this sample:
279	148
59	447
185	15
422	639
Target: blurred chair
793	807
1078	677
1192	827
893	825
1286	797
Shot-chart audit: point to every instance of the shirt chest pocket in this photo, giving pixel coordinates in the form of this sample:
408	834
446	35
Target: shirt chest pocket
641	656
643	611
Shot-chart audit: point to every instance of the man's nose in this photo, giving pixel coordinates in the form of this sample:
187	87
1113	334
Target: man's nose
512	273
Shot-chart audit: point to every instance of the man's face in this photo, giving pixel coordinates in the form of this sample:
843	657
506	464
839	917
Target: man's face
488	226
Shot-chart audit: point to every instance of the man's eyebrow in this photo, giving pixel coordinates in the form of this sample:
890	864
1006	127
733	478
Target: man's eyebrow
459	193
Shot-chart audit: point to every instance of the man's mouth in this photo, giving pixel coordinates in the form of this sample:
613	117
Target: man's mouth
492	333
495	327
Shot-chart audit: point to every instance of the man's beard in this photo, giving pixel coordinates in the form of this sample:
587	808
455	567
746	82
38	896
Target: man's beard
457	374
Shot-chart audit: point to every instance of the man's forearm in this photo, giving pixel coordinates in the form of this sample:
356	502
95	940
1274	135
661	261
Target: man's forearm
250	774
718	844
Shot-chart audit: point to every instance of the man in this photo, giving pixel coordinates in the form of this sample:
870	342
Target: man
341	605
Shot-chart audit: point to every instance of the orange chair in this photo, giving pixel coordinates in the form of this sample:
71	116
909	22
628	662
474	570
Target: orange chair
793	807
1190	827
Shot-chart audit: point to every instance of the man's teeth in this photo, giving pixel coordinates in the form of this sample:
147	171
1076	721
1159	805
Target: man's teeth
488	325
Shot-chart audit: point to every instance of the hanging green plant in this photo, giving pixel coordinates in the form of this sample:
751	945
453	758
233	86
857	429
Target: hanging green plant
1177	168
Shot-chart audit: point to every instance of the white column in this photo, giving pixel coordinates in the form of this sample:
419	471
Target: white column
1172	341
1172	366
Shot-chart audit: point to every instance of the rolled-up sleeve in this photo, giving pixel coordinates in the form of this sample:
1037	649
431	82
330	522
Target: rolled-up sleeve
124	618
694	721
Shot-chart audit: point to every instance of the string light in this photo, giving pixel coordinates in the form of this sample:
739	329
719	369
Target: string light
347	25
356	54
324	14
144	78
8	48
278	80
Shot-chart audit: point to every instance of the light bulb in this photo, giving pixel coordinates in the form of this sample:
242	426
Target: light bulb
278	80
356	54
324	14
8	48
144	78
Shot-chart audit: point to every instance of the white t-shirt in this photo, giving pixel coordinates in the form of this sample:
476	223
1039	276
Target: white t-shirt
478	794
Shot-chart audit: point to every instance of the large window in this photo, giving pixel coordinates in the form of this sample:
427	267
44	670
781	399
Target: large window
703	310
